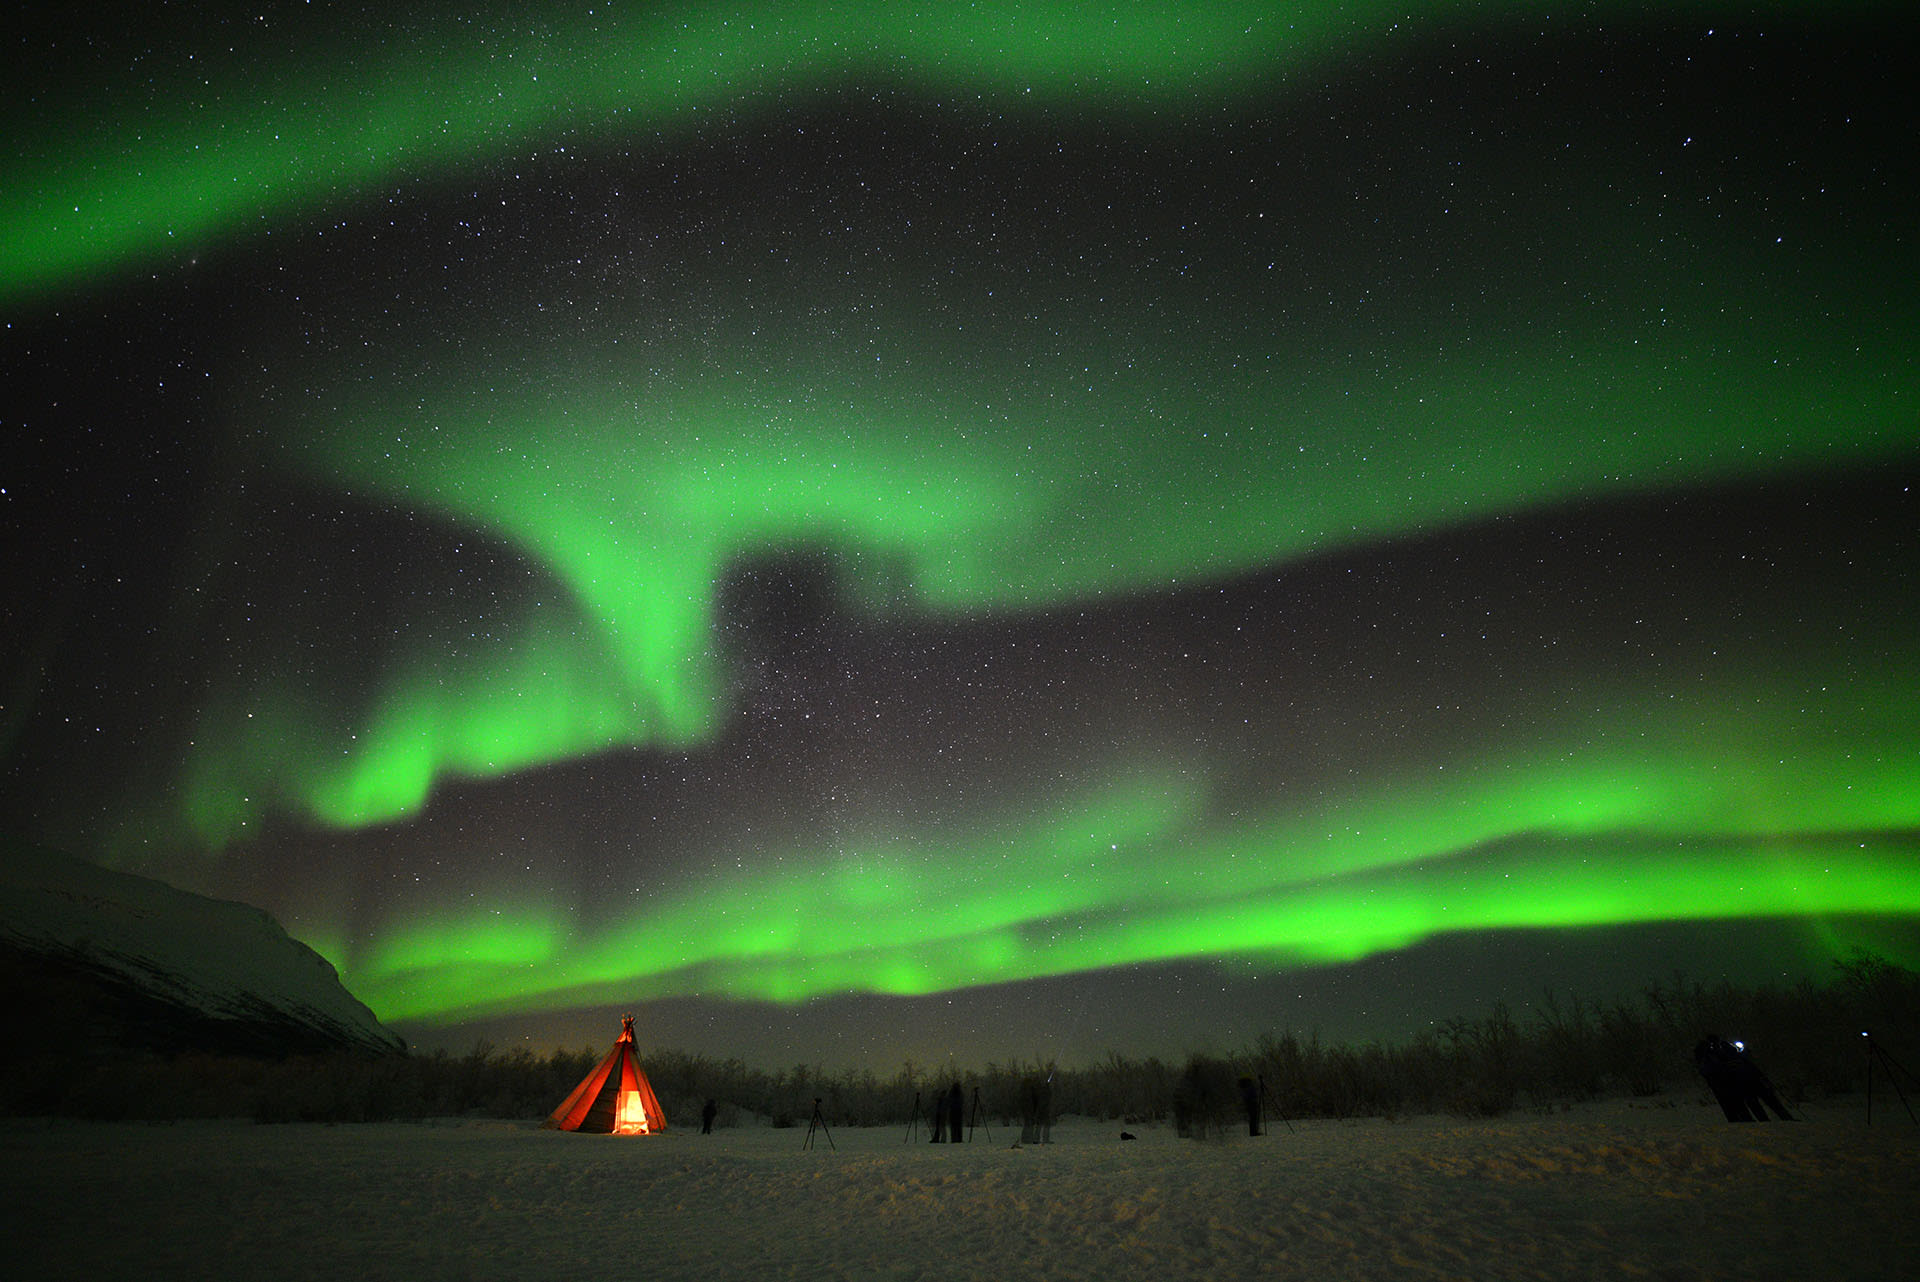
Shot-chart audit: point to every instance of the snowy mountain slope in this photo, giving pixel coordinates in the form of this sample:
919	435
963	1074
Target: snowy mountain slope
87	952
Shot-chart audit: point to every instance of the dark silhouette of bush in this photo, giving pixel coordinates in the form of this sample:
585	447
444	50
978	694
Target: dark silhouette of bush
1564	1049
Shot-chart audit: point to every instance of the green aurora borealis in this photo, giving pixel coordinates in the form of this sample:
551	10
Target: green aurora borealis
278	113
773	507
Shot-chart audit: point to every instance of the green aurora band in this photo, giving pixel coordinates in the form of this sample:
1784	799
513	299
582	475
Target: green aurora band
102	183
945	494
938	492
1129	876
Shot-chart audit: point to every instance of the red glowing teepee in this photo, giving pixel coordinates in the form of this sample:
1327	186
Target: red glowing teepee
615	1098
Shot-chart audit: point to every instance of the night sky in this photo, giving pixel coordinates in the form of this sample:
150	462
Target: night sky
1029	532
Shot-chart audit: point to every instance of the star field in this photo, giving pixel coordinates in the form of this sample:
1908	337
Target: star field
1075	527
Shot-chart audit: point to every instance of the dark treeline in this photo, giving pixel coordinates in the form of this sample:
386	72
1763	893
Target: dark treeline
1807	1036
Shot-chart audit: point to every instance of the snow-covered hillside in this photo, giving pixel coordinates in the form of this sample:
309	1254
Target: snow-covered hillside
89	952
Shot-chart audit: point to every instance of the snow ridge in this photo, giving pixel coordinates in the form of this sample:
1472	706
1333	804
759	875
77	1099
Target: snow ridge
229	972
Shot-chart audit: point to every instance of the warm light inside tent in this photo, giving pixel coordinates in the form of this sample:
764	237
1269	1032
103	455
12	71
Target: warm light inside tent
630	1115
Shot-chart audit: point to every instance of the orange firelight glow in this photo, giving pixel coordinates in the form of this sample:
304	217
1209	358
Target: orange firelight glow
630	1115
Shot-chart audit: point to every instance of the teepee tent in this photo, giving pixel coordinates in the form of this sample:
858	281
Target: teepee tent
615	1098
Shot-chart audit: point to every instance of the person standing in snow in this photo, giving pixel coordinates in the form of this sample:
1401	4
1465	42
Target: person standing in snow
1250	1100
1743	1091
1715	1060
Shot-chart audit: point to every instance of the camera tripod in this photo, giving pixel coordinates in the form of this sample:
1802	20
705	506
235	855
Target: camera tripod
1274	1109
913	1126
974	1119
819	1123
1894	1071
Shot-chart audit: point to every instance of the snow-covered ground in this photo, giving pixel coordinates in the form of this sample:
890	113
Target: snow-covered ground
1613	1190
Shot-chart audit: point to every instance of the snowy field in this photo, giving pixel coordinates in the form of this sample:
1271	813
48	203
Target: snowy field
1615	1190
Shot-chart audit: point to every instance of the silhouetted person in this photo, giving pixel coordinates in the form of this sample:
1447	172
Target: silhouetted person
1250	1100
707	1114
1036	1111
1737	1083
956	1113
1719	1066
